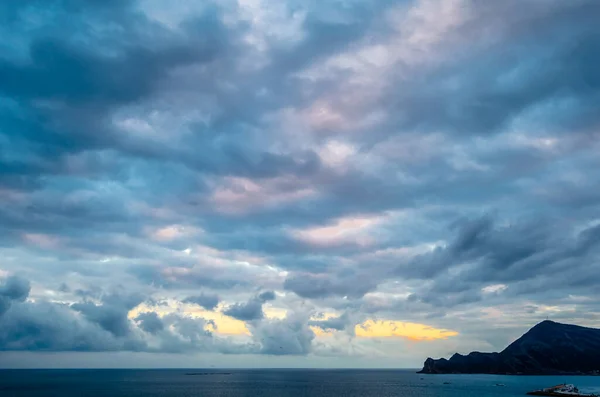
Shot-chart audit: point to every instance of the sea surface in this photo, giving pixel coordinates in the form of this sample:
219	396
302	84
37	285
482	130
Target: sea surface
270	383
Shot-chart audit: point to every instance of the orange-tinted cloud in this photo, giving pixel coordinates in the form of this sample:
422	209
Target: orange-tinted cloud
399	329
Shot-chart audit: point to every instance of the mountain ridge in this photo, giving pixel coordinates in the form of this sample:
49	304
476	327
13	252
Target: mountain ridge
548	348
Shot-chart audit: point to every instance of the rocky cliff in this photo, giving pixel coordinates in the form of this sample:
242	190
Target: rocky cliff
547	348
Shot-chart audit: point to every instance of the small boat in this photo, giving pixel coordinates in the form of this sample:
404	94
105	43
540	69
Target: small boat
500	384
560	391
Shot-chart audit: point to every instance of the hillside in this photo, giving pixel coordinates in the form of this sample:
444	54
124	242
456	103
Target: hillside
547	348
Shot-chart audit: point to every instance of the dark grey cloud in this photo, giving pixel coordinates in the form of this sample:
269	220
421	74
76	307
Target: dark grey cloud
111	314
543	58
207	301
318	286
63	85
150	322
334	323
267	296
54	327
196	277
535	260
63	287
13	288
252	309
74	76
330	31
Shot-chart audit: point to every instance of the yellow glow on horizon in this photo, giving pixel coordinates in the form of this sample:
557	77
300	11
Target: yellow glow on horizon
144	308
274	312
369	329
399	329
226	325
319	332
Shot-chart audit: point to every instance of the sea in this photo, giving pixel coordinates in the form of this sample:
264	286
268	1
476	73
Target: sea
271	383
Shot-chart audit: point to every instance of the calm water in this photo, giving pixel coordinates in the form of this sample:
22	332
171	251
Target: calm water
314	383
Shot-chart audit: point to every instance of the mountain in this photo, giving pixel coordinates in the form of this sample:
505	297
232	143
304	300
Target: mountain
546	349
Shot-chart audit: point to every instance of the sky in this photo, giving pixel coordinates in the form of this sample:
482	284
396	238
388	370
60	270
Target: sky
255	183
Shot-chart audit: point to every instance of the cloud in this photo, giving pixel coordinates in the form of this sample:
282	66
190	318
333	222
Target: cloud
207	301
510	252
251	310
288	336
62	73
111	314
417	332
237	195
150	322
348	230
266	296
53	327
13	288
321	286
85	326
339	323
168	175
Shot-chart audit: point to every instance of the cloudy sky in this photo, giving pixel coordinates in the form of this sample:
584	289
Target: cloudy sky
296	183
